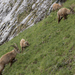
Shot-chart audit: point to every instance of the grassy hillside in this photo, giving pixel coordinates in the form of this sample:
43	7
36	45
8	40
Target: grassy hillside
51	50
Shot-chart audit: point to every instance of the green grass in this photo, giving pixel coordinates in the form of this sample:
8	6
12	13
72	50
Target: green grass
51	50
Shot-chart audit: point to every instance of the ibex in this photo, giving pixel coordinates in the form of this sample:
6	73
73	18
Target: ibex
8	58
56	6
63	12
23	44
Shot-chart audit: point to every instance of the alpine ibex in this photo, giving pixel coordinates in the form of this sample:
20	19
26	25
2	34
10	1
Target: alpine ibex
56	6
23	44
8	58
63	12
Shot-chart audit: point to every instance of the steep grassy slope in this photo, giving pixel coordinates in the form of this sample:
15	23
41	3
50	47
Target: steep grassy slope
51	50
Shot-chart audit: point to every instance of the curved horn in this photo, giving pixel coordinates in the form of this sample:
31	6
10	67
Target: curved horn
14	46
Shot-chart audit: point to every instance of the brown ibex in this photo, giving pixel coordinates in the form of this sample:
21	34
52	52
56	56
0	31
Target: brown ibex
56	6
8	58
23	44
63	12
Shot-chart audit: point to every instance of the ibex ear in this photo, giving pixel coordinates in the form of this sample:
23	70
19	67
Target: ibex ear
15	50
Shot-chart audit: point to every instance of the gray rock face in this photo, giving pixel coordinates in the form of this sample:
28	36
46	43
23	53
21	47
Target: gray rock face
18	15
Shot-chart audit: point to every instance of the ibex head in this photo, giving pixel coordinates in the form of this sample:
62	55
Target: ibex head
71	10
26	43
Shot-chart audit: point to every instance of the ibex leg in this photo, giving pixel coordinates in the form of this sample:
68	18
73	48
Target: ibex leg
12	61
1	68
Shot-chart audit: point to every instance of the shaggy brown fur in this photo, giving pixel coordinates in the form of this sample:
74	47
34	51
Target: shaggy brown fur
23	44
8	58
62	13
56	6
